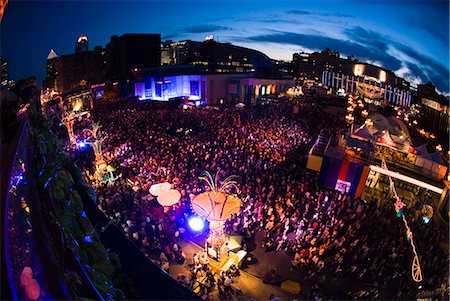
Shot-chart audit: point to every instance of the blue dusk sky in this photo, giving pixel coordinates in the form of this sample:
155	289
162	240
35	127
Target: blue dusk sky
409	37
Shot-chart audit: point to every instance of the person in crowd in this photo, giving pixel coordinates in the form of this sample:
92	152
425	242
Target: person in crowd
326	232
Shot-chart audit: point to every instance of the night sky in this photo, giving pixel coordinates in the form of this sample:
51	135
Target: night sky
410	38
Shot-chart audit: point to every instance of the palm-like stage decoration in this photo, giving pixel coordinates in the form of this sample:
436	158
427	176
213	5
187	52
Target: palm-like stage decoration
95	141
68	120
217	205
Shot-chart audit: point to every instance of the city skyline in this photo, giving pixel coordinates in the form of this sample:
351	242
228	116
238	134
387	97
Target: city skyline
394	35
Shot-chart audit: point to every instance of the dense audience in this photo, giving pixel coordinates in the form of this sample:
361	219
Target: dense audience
328	234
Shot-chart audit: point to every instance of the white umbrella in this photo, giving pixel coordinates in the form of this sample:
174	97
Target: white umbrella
157	189
240	105
169	198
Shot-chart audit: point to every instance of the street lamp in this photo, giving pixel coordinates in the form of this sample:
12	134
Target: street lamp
350	120
364	113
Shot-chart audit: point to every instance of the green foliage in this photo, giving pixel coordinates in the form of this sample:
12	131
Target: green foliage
57	174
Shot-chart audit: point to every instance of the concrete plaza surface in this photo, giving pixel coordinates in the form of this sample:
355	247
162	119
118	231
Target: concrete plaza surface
250	284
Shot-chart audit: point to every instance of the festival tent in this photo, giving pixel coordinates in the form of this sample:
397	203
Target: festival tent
397	127
385	138
363	132
436	157
423	152
365	145
380	123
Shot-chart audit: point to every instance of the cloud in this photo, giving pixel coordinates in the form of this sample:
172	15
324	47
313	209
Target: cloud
319	42
440	33
298	12
367	37
427	68
205	28
338	15
369	45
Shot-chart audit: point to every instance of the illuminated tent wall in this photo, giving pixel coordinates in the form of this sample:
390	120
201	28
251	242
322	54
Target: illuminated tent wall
343	175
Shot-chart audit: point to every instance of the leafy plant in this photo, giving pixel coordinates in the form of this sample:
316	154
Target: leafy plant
56	176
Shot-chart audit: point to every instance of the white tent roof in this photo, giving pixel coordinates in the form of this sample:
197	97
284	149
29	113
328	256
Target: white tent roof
423	152
363	132
437	157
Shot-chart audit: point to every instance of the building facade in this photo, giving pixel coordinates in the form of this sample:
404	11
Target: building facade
129	53
435	110
313	65
373	90
80	69
196	84
218	57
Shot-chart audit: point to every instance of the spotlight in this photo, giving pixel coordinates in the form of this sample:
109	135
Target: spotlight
81	144
196	223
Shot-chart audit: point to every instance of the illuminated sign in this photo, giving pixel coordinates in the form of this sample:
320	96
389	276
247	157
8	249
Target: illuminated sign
386	141
343	186
358	70
382	76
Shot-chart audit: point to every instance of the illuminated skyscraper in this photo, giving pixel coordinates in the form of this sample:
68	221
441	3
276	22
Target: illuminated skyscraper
50	77
5	82
82	44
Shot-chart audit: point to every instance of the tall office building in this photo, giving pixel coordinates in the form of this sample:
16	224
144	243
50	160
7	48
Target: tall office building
82	44
130	52
5	82
50	77
311	65
78	69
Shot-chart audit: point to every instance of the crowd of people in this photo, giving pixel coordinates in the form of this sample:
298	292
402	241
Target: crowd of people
328	234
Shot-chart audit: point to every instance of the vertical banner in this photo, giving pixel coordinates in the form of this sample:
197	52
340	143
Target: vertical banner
362	181
324	169
333	173
351	172
344	169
